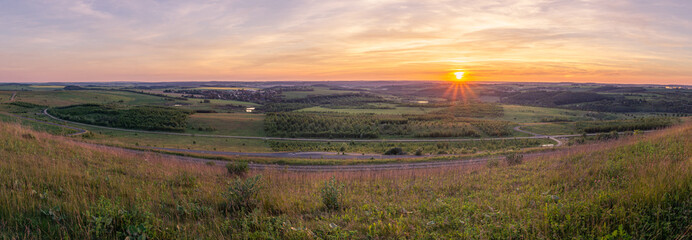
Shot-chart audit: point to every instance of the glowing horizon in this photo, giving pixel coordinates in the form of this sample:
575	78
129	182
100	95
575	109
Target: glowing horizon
271	40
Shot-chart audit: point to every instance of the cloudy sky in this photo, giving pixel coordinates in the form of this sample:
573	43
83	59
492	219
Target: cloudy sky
491	40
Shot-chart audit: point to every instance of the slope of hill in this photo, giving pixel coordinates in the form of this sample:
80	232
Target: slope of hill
640	187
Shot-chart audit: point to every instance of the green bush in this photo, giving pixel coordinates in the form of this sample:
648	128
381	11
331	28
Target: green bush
514	158
242	194
237	168
395	151
332	194
109	219
491	163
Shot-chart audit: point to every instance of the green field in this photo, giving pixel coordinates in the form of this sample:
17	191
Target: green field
526	114
236	124
5	96
318	91
552	128
55	130
65	98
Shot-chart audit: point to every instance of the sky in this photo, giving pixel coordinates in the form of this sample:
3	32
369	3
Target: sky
608	41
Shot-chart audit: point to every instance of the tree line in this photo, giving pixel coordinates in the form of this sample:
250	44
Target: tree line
138	117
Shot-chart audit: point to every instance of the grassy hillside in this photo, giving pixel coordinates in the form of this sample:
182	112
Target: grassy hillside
640	186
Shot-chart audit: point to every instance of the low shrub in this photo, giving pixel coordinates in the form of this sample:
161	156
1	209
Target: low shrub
395	151
237	168
491	163
242	194
332	194
514	158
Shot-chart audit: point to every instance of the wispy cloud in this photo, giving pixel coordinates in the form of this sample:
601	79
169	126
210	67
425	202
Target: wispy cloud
83	8
532	40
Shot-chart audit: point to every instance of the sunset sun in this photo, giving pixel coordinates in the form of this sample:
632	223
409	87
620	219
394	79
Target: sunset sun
459	76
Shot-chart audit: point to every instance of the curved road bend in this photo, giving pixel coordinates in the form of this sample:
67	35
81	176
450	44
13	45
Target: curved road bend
308	168
305	155
326	168
554	138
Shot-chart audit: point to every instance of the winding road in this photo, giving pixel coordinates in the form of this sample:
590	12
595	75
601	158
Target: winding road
554	138
307	168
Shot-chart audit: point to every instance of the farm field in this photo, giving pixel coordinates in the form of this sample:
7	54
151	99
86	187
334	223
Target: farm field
238	124
65	98
527	114
552	128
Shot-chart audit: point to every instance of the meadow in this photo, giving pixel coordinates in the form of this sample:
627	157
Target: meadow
636	187
238	124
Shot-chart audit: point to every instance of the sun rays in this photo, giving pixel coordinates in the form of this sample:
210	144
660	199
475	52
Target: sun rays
459	91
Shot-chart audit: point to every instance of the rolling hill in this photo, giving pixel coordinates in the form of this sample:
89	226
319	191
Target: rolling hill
639	186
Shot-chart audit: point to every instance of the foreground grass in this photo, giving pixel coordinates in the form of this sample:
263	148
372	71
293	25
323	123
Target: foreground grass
640	186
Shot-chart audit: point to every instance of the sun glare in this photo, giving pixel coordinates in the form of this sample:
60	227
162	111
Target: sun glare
460	89
459	75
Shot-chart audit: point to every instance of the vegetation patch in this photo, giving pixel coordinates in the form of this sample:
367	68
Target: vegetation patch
626	125
341	125
634	187
137	117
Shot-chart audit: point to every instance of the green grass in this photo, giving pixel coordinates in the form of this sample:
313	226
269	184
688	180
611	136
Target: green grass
552	128
119	138
40	127
65	98
238	124
526	114
638	187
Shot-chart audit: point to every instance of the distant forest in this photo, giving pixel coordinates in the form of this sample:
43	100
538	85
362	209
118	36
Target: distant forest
139	117
612	101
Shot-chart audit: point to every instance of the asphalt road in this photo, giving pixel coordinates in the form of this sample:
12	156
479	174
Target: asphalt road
309	168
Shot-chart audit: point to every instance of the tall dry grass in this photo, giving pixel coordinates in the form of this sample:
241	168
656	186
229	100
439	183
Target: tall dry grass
638	186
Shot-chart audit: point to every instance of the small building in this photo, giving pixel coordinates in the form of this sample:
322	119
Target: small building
250	109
